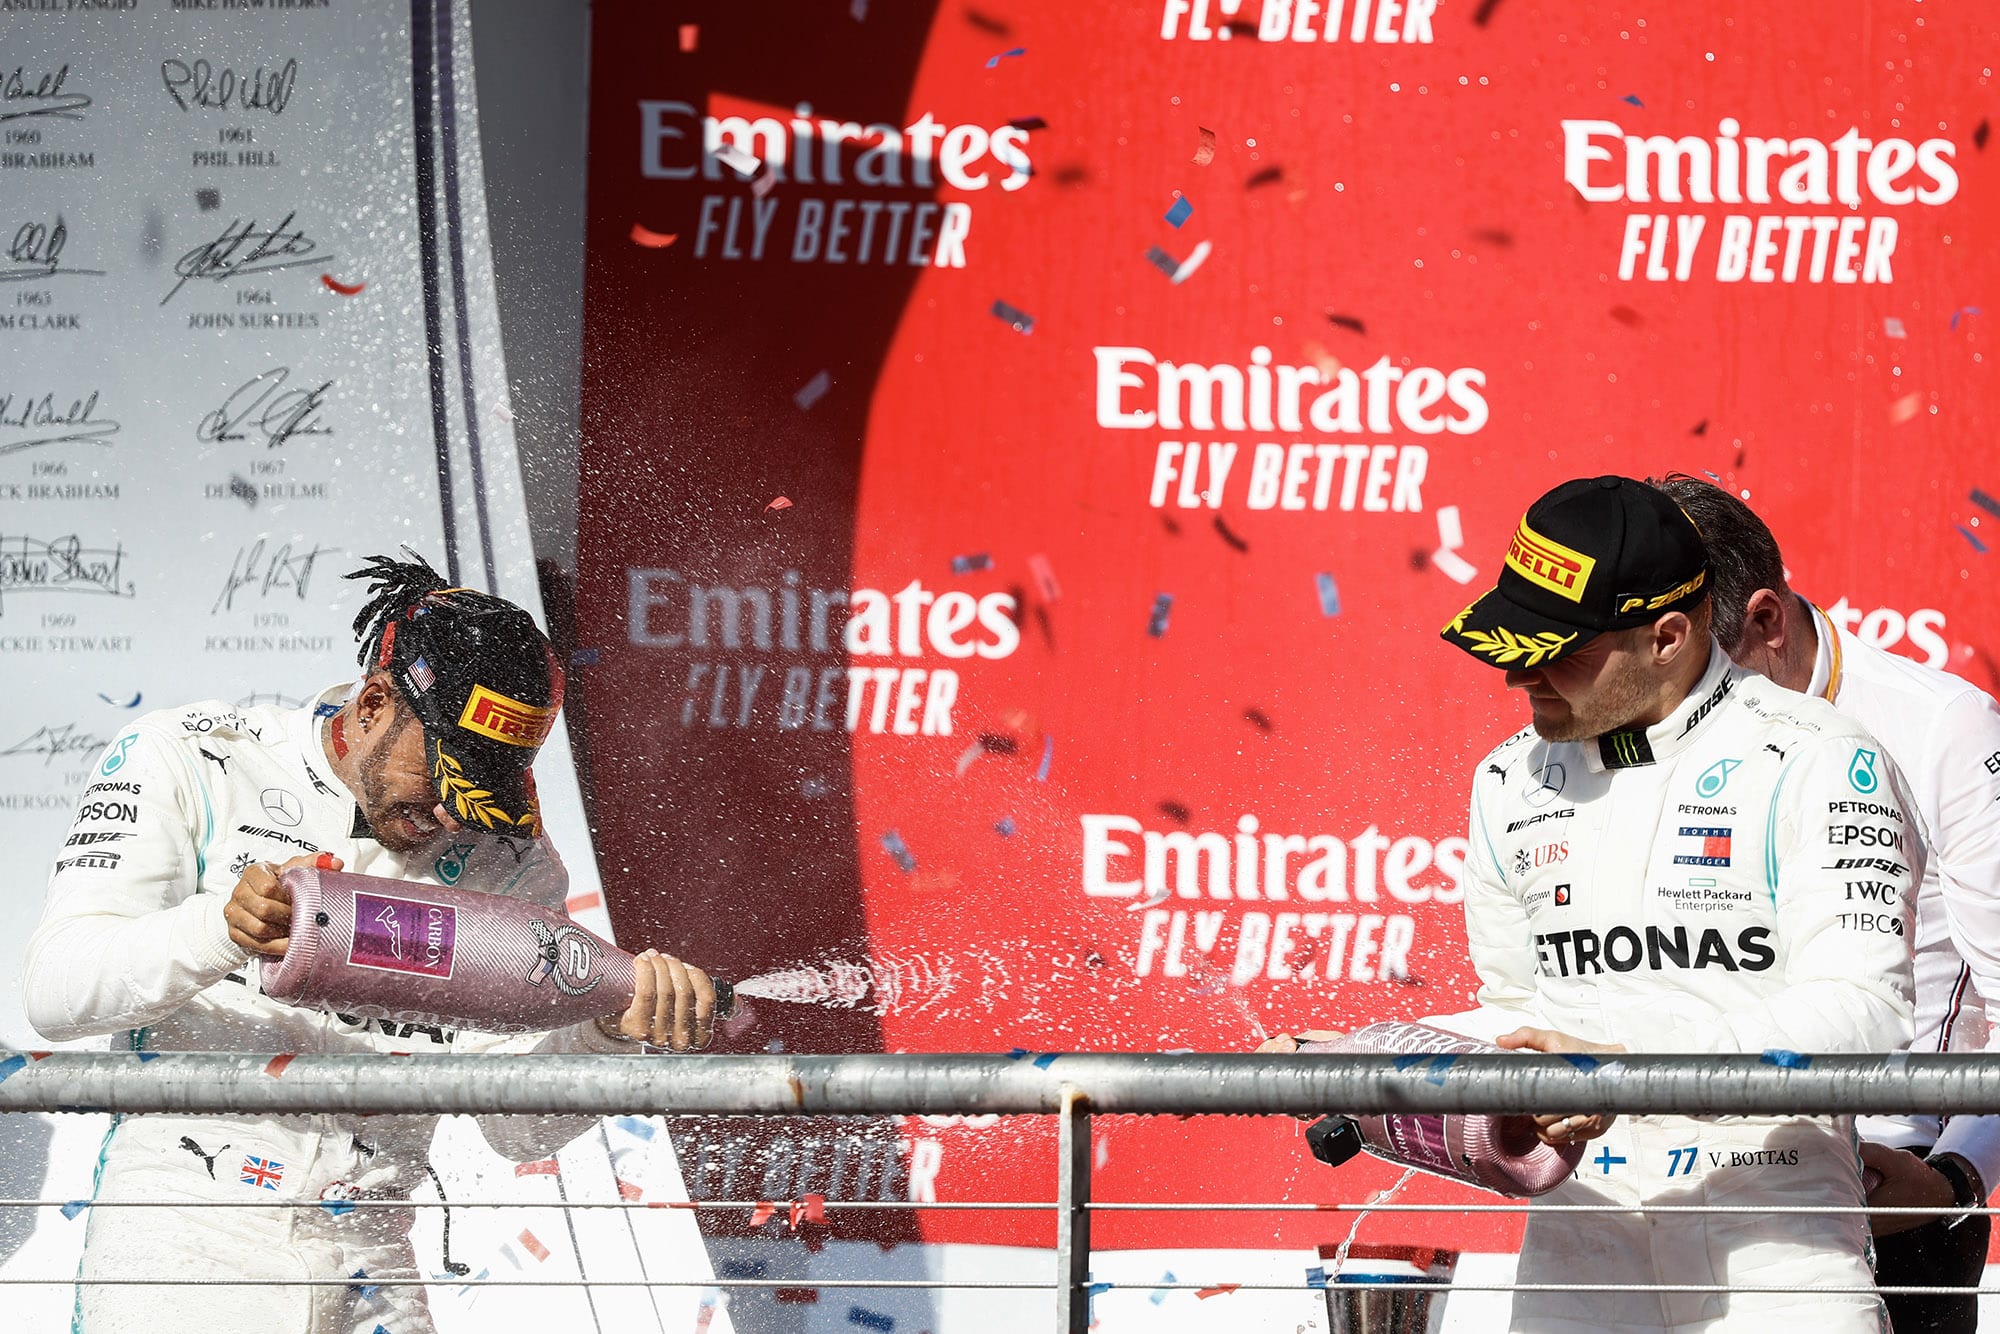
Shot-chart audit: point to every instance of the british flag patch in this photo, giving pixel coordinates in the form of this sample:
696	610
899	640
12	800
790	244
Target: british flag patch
265	1172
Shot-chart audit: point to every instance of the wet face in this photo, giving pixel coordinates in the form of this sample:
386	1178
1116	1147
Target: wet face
392	782
1603	686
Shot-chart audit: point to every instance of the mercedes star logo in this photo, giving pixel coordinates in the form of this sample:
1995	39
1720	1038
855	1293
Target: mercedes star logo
282	806
1548	784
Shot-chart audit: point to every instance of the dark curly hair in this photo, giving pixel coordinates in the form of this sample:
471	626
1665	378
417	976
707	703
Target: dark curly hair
394	587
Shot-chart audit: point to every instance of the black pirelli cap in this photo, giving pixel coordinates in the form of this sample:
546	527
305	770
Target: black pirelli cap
1595	554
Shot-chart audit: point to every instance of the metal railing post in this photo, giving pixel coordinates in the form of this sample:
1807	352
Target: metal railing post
1073	1213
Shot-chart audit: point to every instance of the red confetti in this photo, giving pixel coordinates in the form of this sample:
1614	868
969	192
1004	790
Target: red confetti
1218	1290
545	1167
652	240
583	901
815	1209
628	1191
801	1296
781	503
763	1213
278	1064
1206	153
345	289
690	36
1906	408
534	1245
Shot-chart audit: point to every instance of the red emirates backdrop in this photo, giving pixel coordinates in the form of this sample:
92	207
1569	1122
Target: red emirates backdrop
1030	449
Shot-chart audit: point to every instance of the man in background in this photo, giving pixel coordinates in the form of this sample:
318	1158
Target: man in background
1944	734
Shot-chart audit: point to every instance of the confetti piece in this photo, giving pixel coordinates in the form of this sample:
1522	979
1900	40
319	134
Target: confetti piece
635	1127
1163	606
690	36
1979	133
1191	263
1494	236
1006	827
336	1208
779	503
812	391
1906	408
1329	594
1222	530
971	564
1045	577
1977	545
1028	123
345	289
1160	894
1581	1060
274	1068
1159	1295
1048	758
208	199
1699	428
1893	327
582	902
969	757
798	1296
743	163
1451	536
763	1213
867	1319
1484	14
1626	316
1205	153
652	240
1787	1060
1162	261
541	1167
1316	1277
763	182
1979	498
629	1190
1258	719
533	1244
858	11
1632	100
1021	321
994	62
815	1208
133	703
583	657
1218	1290
73	1208
1962	310
893	842
244	490
1347	322
146	1056
1268	176
1174	811
1454	566
1180	211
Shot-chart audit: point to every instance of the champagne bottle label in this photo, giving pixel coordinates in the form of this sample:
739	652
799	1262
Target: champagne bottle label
398	935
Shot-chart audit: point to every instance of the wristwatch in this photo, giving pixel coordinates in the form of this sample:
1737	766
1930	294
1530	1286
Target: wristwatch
1963	1193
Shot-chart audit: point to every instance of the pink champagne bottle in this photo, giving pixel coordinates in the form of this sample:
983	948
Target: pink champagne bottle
393	949
1500	1153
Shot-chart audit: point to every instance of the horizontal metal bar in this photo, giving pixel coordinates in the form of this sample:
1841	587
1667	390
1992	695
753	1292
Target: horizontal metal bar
1121	1083
1396	1284
342	1205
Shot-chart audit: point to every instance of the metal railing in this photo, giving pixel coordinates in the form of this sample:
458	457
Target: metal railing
1069	1086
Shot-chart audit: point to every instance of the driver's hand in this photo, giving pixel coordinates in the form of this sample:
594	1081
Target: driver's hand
673	1004
1284	1042
259	909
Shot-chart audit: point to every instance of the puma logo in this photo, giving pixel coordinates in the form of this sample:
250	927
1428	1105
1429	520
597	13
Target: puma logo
1774	750
222	760
208	1159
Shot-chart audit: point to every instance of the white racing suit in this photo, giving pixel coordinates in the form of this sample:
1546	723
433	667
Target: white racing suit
1737	878
133	942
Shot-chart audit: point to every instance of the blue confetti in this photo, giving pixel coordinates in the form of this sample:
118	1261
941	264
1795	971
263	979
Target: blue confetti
1016	1053
994	63
1044	1061
1986	502
73	1208
1329	594
1316	1277
812	391
583	657
1439	1066
632	1125
1163	607
1632	99
1048	757
907	860
12	1066
1021	320
146	1056
867	1319
1162	261
335	1208
971	564
368	1290
1581	1061
1006	827
1977	546
1787	1060
1159	1295
1181	211
1962	310
132	703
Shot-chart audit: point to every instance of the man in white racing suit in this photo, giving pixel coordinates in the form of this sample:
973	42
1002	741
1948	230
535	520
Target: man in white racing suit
1944	735
1677	856
166	893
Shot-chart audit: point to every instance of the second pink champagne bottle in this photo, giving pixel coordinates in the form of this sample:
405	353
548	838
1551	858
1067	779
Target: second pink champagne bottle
1501	1153
393	949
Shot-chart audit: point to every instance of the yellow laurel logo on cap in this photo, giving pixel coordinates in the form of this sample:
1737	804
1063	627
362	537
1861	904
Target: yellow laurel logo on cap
1541	560
1508	649
492	714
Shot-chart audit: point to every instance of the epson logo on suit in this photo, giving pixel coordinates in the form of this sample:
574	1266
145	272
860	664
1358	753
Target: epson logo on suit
1865	835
